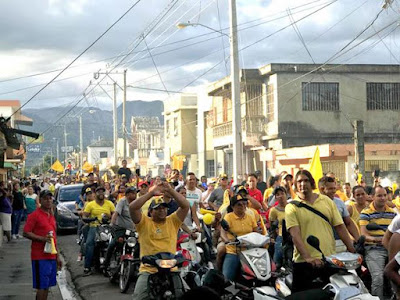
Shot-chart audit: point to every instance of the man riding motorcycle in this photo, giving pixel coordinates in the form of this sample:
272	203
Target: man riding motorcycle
157	233
121	220
95	209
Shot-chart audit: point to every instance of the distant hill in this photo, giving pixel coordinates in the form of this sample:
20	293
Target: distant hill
96	123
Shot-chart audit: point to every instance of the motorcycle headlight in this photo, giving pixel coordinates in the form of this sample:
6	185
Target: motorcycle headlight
348	261
104	236
131	242
262	266
166	263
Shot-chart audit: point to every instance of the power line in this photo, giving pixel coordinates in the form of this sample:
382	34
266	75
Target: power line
75	59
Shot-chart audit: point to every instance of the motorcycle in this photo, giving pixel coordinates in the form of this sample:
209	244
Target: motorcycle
126	263
343	284
102	239
165	284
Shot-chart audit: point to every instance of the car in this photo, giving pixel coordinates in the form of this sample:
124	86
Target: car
65	213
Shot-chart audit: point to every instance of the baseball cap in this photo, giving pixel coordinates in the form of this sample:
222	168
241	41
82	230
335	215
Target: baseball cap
130	189
123	176
223	176
45	193
237	198
212	180
286	175
100	188
156	202
143	183
240	189
279	188
88	190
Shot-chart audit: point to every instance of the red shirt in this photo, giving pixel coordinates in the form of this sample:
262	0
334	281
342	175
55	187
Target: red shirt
40	223
256	194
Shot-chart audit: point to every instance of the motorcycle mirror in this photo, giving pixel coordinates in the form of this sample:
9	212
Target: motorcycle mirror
373	226
314	242
225	225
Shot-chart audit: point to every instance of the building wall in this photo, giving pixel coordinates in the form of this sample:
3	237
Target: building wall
94	153
314	126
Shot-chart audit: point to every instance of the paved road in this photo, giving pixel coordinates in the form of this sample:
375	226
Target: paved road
16	272
92	287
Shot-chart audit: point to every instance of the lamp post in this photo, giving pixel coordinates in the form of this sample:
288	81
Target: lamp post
235	87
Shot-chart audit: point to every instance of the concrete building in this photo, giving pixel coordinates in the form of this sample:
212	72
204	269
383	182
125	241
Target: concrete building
148	144
100	150
180	120
297	105
12	149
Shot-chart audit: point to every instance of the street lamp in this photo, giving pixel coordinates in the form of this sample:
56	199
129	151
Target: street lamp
182	25
235	82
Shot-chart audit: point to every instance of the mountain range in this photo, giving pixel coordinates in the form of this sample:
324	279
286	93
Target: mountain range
96	124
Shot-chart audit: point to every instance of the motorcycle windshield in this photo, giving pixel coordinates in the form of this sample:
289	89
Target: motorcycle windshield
254	239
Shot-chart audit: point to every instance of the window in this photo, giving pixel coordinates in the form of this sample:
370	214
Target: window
103	154
176	126
383	96
167	127
210	171
383	165
270	103
320	96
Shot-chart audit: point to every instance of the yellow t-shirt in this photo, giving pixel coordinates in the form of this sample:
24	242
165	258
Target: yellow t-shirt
342	195
239	226
277	214
355	216
311	224
97	210
267	193
157	237
397	202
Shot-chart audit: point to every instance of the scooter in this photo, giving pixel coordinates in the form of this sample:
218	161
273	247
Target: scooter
343	284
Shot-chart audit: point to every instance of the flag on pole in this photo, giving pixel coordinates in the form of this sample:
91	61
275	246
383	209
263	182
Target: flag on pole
57	166
316	167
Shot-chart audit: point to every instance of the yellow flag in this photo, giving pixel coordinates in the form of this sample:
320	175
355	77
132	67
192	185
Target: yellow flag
226	201
316	167
105	177
57	166
87	167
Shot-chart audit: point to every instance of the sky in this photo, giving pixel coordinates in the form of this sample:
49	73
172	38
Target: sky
40	38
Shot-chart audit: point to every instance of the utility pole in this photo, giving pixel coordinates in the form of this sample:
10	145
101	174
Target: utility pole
115	128
65	144
57	153
124	115
235	86
80	144
359	153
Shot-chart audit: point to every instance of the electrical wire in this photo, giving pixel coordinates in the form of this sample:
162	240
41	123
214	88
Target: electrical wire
76	58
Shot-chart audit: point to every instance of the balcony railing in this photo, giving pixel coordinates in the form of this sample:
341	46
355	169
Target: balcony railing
250	125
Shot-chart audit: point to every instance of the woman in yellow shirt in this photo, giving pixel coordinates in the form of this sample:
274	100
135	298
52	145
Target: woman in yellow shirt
355	208
240	223
277	213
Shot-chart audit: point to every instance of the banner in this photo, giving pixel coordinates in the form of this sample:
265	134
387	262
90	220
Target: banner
57	166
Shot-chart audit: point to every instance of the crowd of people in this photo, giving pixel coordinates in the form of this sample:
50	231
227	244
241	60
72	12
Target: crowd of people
160	208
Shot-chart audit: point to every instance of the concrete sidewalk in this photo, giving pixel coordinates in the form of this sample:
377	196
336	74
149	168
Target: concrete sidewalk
16	272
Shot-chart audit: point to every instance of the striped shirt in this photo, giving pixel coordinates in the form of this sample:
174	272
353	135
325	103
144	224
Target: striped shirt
381	218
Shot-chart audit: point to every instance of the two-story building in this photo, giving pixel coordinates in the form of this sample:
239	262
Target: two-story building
180	120
147	135
300	105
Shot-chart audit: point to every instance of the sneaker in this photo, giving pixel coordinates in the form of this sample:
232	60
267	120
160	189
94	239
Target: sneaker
14	237
79	257
19	236
87	271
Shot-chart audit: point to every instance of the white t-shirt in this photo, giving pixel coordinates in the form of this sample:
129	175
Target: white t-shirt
193	196
395	224
397	258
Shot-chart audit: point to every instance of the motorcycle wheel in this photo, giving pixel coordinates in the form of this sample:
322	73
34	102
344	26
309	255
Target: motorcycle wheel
126	274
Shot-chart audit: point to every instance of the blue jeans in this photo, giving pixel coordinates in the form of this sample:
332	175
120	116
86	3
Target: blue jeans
90	246
278	256
375	257
16	220
231	266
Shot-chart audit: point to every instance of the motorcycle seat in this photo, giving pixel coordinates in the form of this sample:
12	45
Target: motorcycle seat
289	280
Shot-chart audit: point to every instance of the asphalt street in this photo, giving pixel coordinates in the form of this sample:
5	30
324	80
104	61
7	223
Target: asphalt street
16	272
95	286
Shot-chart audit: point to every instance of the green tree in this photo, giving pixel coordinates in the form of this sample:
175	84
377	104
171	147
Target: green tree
35	170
